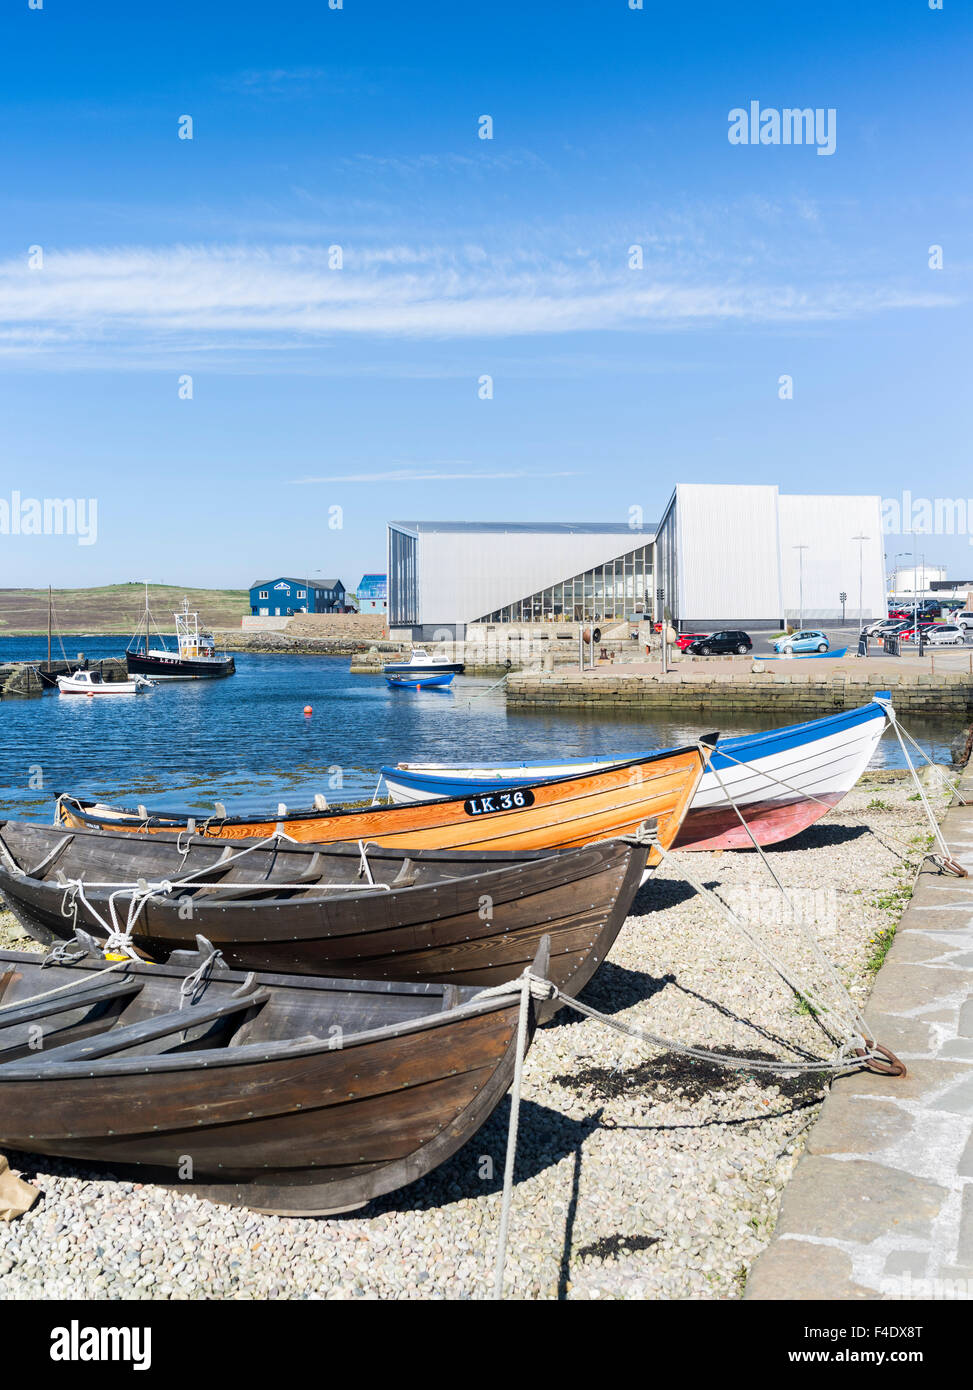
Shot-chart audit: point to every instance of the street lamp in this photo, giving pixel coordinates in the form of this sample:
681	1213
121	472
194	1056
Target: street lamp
898	556
861	551
800	555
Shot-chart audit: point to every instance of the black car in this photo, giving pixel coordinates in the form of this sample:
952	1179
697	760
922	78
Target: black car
718	643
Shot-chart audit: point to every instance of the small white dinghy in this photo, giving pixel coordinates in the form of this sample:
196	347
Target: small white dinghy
92	683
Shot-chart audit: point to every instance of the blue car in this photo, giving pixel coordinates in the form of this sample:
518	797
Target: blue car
807	640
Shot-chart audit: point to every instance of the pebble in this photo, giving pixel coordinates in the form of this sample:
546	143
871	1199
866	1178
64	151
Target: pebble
637	1176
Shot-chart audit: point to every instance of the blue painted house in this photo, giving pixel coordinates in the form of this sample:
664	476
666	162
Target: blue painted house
373	594
281	598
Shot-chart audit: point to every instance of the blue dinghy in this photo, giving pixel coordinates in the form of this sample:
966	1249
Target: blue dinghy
419	682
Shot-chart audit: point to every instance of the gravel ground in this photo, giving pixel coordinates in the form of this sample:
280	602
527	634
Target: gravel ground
639	1173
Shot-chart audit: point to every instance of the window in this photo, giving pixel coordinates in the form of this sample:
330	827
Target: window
264	593
302	593
606	593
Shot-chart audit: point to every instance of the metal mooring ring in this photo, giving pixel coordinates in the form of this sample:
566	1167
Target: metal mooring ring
893	1067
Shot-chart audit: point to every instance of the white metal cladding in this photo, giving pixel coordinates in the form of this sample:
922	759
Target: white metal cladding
727	558
827	526
466	574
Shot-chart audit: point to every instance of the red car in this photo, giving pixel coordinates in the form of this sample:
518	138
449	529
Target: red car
908	634
685	638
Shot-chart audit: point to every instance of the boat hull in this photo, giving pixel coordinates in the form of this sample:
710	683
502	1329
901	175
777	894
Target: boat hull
329	1095
461	919
177	668
413	682
820	760
66	686
554	814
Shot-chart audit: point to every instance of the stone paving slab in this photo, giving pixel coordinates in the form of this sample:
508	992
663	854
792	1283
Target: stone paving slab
881	1203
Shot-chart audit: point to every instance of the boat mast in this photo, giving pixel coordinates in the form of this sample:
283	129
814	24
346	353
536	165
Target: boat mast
50	606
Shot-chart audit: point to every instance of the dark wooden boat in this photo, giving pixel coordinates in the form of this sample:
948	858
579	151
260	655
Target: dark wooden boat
551	813
289	1094
464	918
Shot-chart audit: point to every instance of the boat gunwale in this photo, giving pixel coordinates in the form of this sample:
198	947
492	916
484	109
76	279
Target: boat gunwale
172	819
439	773
304	895
46	1066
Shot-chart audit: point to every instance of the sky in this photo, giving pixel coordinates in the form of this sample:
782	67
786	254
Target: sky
179	344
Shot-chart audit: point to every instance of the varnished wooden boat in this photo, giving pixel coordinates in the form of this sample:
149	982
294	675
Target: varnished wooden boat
469	918
296	1095
547	814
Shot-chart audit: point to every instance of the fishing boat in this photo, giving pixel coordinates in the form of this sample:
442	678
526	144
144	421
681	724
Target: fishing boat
93	683
194	658
420	663
792	777
436	682
296	1095
557	813
344	910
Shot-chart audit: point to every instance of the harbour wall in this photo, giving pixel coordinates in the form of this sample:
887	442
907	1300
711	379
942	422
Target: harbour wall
919	693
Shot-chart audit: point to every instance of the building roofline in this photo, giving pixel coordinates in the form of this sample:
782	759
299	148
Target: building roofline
606	528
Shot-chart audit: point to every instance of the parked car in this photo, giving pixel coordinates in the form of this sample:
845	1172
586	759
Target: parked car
686	639
908	633
809	639
964	619
927	608
718	643
945	635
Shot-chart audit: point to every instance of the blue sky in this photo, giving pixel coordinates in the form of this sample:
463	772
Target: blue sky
316	388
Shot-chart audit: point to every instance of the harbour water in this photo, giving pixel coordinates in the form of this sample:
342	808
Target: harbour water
247	742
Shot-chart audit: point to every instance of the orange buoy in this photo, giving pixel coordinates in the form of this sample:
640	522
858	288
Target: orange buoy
308	709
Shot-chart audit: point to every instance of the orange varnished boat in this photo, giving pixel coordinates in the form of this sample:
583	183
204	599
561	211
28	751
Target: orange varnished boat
553	814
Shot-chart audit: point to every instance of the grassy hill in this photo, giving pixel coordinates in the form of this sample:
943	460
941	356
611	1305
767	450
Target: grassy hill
115	608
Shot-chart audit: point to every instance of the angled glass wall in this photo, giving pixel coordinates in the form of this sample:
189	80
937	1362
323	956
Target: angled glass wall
606	593
403	578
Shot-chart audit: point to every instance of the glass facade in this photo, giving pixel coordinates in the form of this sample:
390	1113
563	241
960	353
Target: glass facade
403	579
607	592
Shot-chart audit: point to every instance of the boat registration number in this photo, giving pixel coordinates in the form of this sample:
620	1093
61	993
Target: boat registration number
497	801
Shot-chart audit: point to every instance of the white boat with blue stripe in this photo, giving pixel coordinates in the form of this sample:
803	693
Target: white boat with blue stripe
782	781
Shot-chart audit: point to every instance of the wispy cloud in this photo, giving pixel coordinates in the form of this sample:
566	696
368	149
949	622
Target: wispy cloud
422	476
145	301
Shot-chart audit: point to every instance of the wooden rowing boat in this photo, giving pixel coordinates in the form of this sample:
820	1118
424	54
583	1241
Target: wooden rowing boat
301	1096
782	780
548	814
468	918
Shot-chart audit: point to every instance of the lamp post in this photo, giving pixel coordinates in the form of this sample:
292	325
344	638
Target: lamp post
898	556
843	599
861	553
800	556
660	596
916	629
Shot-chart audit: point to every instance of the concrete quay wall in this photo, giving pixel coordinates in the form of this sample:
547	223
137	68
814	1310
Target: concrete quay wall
947	693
